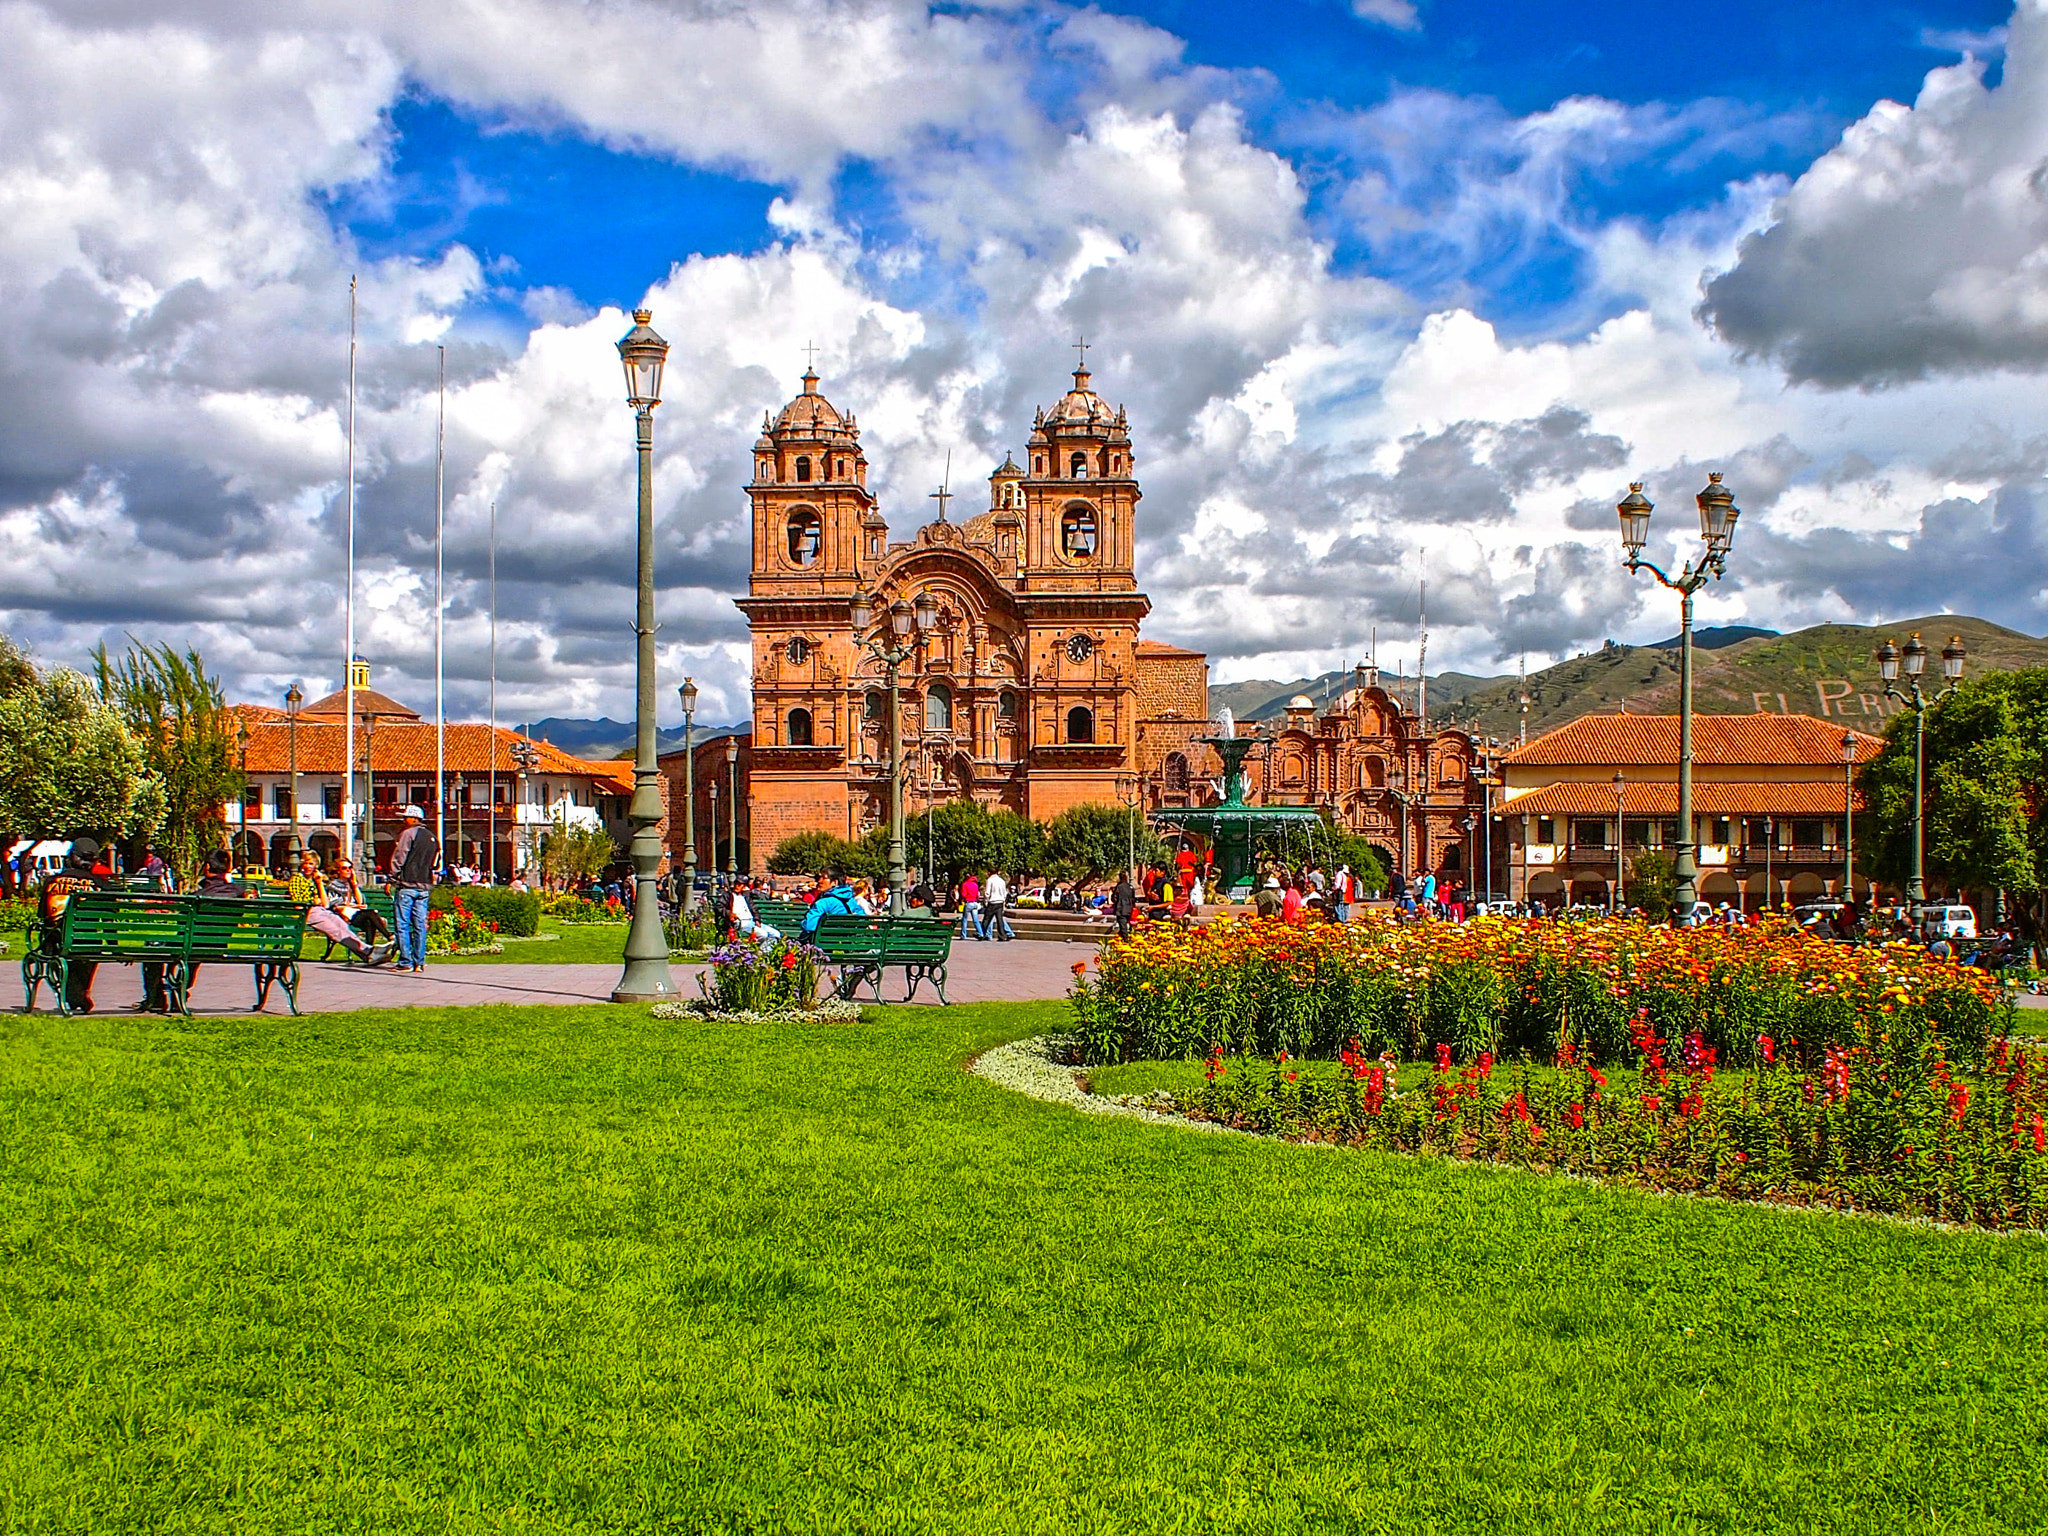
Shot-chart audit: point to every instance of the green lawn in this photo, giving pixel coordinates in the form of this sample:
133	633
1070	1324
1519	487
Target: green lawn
575	1269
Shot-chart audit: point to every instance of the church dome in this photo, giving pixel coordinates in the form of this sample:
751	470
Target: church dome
1080	406
1301	701
810	414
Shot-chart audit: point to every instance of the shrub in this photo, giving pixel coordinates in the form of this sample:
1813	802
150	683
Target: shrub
571	908
455	929
16	912
515	914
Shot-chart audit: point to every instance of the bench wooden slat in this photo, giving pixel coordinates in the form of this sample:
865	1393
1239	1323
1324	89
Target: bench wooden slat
865	947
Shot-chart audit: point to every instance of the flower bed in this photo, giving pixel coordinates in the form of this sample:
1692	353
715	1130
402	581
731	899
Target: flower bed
1893	1128
832	1010
1519	989
743	977
459	931
571	908
1756	1063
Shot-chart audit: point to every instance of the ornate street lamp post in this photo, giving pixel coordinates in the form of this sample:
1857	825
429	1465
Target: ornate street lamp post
1620	857
1469	823
1718	513
712	830
1397	778
732	801
524	756
645	977
894	643
1914	657
242	754
688	690
1849	816
294	696
1770	846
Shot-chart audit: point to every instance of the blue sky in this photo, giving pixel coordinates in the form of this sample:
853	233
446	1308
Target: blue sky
1393	290
555	209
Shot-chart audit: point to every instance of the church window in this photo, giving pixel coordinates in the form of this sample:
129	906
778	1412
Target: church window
1081	725
1176	773
799	727
798	650
842	469
1006	705
806	535
938	708
1103	460
873	707
1038	464
1077	533
1294	770
803	466
1078	466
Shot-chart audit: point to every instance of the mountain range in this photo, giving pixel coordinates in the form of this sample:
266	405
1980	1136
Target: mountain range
1828	671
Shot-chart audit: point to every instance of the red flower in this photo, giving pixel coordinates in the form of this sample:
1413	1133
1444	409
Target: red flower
1577	1115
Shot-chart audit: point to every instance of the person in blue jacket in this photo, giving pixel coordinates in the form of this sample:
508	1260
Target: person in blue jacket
839	900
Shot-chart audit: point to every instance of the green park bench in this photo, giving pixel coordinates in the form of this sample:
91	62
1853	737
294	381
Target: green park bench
785	917
864	947
179	933
263	934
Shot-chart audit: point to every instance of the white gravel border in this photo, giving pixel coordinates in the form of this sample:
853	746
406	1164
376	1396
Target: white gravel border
1033	1068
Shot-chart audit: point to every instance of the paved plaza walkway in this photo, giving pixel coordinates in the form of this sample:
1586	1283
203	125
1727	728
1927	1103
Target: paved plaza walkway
978	973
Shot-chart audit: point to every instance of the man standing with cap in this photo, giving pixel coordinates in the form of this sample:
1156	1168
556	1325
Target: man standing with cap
414	858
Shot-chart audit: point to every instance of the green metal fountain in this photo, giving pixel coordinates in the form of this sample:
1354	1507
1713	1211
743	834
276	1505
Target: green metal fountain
1231	827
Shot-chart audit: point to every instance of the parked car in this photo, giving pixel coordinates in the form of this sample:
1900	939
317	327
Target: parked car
1819	913
1939	922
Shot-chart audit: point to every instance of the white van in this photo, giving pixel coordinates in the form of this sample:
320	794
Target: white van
1947	923
42	860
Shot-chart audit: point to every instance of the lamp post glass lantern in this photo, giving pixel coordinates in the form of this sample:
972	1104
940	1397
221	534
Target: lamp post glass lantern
1718	515
1911	658
645	976
688	692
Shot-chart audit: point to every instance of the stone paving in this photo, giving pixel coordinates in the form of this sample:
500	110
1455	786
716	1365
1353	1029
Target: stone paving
978	973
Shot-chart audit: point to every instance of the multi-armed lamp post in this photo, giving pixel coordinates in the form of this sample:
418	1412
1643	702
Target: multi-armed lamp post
1718	513
732	802
894	643
688	691
646	975
1914	657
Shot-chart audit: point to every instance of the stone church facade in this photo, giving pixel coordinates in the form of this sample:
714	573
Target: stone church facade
1032	691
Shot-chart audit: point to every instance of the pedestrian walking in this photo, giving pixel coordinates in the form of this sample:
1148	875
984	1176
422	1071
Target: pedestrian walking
414	858
995	898
971	924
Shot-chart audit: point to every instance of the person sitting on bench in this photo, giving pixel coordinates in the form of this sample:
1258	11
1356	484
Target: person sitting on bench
310	891
839	900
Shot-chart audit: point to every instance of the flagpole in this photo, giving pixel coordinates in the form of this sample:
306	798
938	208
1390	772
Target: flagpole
348	606
491	831
440	712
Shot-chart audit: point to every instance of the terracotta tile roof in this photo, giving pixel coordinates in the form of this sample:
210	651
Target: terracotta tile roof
1718	740
1661	800
407	747
368	702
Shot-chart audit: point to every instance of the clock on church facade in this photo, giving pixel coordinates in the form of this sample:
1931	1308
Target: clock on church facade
1031	690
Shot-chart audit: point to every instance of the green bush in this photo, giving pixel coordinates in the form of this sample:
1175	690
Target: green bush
516	913
17	912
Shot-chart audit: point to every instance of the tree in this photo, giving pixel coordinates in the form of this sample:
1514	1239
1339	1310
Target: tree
571	853
964	836
187	731
809	853
1652	884
1087	843
1298	845
68	764
1986	786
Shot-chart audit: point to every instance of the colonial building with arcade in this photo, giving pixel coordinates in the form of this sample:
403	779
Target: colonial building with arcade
1030	690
